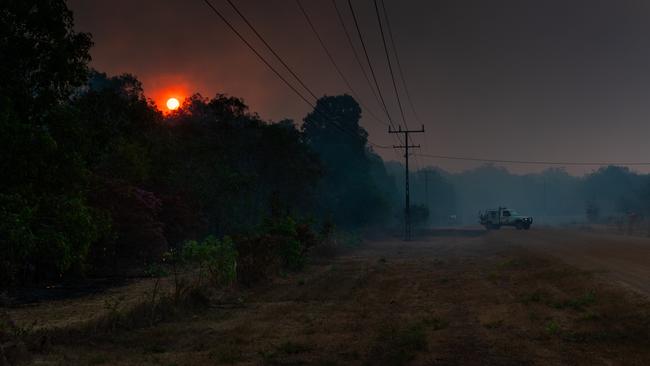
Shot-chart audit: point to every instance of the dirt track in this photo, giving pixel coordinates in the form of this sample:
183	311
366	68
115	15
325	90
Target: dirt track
624	259
452	298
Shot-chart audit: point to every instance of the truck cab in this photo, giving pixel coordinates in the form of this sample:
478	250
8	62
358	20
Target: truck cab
494	219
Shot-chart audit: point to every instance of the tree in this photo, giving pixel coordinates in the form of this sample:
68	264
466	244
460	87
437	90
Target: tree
234	165
43	59
47	226
613	189
349	194
121	130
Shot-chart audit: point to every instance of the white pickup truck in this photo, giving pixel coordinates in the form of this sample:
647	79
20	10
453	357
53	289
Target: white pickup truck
502	216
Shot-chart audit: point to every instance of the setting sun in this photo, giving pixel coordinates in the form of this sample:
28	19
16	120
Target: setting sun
173	104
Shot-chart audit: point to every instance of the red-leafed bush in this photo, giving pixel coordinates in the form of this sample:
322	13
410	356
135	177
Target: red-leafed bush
181	221
138	237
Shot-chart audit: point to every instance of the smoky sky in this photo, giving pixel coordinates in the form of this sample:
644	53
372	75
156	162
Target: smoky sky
504	79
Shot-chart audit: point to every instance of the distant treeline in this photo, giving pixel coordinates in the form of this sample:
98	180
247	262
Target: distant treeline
96	180
552	196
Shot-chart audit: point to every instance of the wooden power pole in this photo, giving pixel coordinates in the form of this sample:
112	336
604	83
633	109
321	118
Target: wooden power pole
407	198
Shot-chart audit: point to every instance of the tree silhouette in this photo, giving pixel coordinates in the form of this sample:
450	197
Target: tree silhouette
349	193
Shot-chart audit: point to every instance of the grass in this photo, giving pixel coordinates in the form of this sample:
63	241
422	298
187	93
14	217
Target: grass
284	354
535	297
494	324
511	263
399	346
435	323
293	348
579	303
227	353
493	276
552	327
98	360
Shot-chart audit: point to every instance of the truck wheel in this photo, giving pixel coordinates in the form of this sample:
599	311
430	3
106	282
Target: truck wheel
519	225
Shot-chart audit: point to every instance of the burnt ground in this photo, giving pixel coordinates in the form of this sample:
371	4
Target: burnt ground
450	298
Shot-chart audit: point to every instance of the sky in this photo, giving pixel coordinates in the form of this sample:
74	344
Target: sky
549	80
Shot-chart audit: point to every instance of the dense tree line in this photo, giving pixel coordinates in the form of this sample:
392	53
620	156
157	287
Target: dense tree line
552	196
97	180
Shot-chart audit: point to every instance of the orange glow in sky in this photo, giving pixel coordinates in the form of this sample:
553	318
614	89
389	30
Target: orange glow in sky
162	89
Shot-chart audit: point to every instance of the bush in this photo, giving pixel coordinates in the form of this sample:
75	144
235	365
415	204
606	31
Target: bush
294	240
280	244
216	258
46	237
258	258
138	238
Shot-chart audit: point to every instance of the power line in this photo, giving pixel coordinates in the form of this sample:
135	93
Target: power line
372	71
250	46
532	162
333	62
358	60
271	48
390	65
278	74
399	64
354	52
392	77
338	69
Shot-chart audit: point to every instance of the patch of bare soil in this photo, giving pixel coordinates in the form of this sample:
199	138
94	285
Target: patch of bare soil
444	300
622	259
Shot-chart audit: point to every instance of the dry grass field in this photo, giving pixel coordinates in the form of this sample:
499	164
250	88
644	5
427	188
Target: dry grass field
465	297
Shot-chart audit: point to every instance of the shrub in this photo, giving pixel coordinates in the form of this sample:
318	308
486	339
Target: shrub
216	258
294	240
139	238
258	258
46	237
291	253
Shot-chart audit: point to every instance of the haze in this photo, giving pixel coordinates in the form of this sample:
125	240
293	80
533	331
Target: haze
530	80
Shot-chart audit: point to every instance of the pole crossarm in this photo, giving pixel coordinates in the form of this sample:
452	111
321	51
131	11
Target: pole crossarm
399	130
404	146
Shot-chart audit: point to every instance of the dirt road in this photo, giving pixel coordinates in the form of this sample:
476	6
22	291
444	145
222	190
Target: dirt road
451	298
623	259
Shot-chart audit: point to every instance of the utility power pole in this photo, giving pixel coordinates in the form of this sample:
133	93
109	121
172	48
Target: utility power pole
407	198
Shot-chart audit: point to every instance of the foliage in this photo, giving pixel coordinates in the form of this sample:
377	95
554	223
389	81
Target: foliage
258	258
46	226
96	180
613	189
139	238
281	243
355	185
216	258
295	240
42	58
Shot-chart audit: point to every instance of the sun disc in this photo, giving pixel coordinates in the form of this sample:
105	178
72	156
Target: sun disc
173	104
